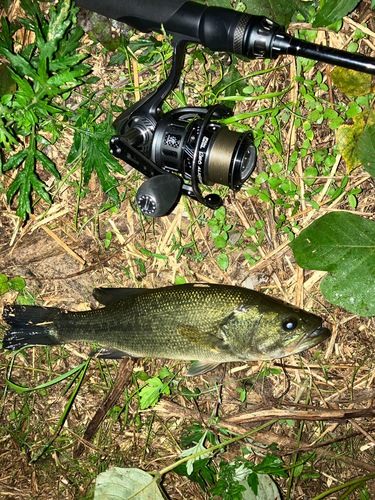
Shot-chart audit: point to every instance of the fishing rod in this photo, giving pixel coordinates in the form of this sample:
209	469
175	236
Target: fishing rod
191	142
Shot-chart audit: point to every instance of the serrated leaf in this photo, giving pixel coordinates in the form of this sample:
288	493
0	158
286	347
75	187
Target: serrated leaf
57	26
66	80
343	244
333	11
366	149
150	394
15	160
348	137
352	83
124	484
19	64
47	163
97	153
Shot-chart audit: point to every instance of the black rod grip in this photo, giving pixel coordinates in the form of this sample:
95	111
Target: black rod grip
147	12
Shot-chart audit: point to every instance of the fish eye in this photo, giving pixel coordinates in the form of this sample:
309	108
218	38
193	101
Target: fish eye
289	324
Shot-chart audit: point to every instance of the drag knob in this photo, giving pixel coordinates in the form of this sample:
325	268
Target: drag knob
158	194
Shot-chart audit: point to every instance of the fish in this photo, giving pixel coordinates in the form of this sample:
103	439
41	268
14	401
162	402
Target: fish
206	323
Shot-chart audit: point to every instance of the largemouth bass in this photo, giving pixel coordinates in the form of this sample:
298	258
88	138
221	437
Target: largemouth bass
212	324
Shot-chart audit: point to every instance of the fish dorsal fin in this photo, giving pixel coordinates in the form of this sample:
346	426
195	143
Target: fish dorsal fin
201	367
108	296
201	338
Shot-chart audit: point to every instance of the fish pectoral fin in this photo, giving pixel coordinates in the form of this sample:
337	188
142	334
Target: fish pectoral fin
201	367
108	296
109	353
201	338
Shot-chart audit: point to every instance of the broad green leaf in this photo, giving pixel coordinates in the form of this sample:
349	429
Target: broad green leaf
348	137
266	488
223	261
333	11
352	83
366	149
342	244
126	484
17	284
278	10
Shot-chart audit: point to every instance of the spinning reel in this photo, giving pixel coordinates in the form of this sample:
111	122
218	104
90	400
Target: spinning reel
189	142
186	147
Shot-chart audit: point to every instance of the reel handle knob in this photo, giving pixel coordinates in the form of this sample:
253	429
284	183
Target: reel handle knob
213	201
158	194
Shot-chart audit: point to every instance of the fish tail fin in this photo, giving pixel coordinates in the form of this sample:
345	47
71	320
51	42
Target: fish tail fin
30	325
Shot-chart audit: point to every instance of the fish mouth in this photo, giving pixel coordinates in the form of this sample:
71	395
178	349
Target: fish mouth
312	339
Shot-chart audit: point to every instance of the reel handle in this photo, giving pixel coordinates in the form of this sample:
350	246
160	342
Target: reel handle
157	195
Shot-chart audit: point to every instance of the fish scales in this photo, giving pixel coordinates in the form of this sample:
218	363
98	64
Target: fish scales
208	323
148	325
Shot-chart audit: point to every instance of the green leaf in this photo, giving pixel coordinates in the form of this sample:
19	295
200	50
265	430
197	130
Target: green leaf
179	280
342	244
333	11
150	395
202	471
17	284
95	145
56	29
223	261
4	285
250	232
47	163
124	484
20	64
15	160
366	149
220	242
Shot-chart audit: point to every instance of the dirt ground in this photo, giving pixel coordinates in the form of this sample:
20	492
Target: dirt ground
61	262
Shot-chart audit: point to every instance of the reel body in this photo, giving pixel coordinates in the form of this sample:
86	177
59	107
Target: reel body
181	149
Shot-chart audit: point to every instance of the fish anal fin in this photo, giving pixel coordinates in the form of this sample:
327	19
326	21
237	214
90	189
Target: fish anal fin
108	296
201	338
109	353
201	367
